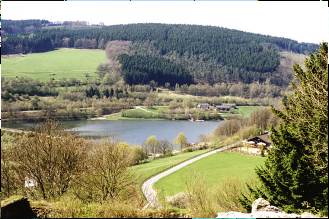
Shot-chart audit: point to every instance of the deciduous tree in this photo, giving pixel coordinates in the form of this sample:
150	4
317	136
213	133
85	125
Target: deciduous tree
181	140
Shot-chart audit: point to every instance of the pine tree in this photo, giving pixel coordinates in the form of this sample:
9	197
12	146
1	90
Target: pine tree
295	174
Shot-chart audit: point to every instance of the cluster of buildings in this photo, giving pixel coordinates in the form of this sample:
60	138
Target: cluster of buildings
221	108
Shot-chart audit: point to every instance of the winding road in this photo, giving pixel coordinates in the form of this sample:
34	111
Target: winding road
147	187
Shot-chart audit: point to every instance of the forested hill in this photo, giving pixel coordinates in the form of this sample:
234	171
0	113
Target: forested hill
222	54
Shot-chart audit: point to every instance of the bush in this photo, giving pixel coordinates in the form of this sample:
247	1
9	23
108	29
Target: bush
165	147
229	127
180	200
249	131
188	149
199	201
139	155
106	175
51	157
227	195
73	208
9	178
263	118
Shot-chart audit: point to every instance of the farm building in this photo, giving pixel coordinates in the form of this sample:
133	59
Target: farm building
255	145
259	140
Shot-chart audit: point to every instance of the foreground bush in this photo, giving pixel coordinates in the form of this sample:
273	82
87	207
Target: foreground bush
106	175
69	207
50	157
227	195
180	200
199	200
9	178
203	201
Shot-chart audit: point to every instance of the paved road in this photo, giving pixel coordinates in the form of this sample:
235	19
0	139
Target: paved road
147	187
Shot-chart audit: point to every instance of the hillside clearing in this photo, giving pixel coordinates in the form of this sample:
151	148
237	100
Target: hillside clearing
58	64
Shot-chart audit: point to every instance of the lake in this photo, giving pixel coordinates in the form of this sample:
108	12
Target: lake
133	131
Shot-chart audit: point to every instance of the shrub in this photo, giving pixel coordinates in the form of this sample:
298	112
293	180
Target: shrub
9	178
248	131
229	127
106	175
188	149
180	200
165	147
227	195
51	157
139	155
73	208
263	118
199	202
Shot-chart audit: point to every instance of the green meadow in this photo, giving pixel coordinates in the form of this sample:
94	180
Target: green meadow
213	169
147	170
57	64
246	111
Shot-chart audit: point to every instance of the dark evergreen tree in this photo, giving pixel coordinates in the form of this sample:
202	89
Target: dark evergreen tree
295	174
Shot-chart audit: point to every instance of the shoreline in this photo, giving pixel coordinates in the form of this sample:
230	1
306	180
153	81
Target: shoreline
116	117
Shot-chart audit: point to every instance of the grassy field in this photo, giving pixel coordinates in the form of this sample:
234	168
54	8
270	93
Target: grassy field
117	116
146	113
139	113
145	171
245	111
61	63
214	168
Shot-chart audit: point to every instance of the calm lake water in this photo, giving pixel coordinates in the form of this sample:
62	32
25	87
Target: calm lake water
133	131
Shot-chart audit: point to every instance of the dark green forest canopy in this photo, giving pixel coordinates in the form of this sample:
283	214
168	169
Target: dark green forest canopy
143	69
229	55
166	36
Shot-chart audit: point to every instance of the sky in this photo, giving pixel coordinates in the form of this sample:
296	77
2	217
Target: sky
301	21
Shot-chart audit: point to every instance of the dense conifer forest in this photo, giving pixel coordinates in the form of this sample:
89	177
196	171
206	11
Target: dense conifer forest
143	69
209	54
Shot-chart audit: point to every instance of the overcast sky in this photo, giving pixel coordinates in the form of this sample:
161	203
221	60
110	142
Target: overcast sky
302	21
